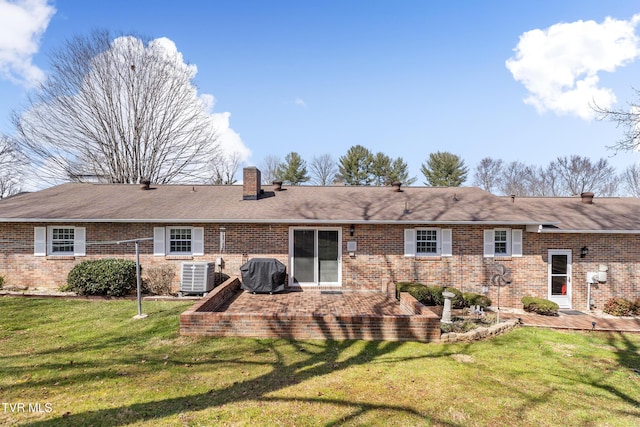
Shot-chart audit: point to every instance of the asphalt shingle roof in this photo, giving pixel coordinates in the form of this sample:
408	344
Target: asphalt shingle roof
309	204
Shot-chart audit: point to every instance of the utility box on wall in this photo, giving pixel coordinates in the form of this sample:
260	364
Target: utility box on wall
602	273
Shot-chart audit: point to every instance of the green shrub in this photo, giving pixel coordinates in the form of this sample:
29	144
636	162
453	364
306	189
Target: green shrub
112	277
458	300
471	299
434	296
636	307
540	306
416	290
1	281
619	307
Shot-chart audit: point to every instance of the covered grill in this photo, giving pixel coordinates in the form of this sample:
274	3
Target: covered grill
263	275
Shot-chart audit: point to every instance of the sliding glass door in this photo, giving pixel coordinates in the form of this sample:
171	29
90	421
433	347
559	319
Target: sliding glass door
315	256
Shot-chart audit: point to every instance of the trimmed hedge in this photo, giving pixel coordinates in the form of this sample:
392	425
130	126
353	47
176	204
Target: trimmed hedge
471	299
620	307
111	277
540	306
416	290
1	281
430	295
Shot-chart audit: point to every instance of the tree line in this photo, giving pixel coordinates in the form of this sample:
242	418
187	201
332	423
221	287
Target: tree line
123	109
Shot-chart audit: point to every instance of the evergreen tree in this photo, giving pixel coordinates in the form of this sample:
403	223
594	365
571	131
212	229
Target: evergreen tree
381	169
356	166
400	172
294	170
444	169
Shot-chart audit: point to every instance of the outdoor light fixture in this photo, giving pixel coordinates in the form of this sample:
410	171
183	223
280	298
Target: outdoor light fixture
584	252
352	229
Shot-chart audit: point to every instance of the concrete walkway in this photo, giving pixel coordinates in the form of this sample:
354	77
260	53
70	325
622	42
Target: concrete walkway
577	320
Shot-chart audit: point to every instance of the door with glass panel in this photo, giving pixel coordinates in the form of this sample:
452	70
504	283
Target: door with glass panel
315	256
559	262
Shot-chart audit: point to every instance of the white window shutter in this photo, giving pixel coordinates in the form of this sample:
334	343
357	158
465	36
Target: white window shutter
158	241
79	241
489	243
197	240
516	243
40	241
447	242
409	242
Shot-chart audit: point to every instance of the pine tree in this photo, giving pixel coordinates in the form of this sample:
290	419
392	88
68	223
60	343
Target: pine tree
444	169
356	166
294	170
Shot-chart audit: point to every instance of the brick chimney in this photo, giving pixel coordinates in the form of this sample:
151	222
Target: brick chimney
251	188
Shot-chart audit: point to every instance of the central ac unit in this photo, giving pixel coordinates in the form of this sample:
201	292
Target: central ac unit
197	277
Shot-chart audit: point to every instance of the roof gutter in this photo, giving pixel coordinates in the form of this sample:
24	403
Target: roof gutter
264	221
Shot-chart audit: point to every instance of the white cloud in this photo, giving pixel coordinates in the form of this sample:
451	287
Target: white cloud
300	102
559	65
22	22
229	140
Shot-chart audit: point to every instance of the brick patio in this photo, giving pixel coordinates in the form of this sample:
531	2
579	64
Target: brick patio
310	314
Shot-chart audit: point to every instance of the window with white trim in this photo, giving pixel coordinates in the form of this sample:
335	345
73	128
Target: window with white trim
503	242
59	240
179	240
425	242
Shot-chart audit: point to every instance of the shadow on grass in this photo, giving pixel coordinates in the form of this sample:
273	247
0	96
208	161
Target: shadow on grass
281	376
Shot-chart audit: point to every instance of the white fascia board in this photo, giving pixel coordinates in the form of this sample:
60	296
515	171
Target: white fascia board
567	231
262	221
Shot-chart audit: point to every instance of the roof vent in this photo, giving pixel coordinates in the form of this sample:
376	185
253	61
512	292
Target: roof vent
145	184
587	197
396	186
277	185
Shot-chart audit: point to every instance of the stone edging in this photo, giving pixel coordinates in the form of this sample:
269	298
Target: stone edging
480	333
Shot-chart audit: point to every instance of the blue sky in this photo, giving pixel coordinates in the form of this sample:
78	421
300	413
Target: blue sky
403	77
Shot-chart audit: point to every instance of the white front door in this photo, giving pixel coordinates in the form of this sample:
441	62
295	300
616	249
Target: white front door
315	256
559	262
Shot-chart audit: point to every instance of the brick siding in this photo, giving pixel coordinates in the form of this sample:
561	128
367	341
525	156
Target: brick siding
379	258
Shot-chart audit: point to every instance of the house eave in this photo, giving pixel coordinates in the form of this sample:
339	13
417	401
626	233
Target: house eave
263	221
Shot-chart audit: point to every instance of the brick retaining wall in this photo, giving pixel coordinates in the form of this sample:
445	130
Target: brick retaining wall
419	324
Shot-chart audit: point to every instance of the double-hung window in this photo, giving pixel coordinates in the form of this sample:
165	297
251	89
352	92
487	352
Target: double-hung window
178	240
502	242
59	240
426	242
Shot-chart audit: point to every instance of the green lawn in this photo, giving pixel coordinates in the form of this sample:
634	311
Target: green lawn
89	363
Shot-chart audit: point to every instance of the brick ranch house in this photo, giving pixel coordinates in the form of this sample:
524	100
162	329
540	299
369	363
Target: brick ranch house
355	238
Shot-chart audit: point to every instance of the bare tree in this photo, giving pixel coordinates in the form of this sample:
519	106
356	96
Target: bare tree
487	174
578	174
120	110
11	168
514	180
631	179
224	169
269	169
628	120
323	169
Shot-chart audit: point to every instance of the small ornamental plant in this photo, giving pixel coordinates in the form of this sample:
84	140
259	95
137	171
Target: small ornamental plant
540	306
619	307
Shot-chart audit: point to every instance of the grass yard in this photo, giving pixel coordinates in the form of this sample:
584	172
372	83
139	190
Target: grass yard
79	362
